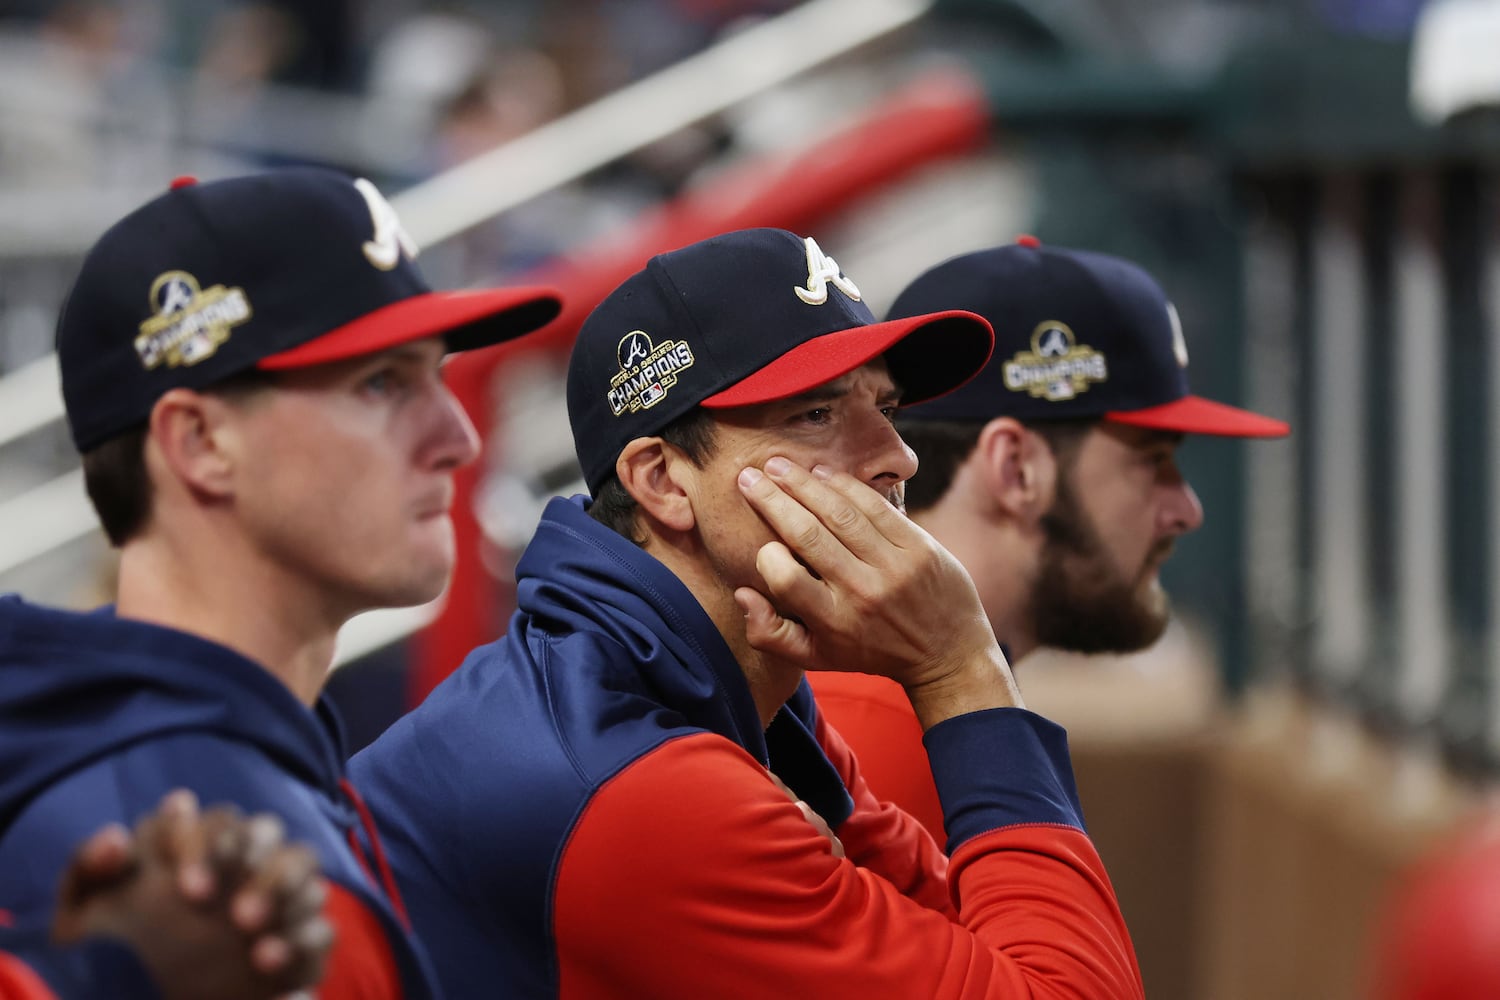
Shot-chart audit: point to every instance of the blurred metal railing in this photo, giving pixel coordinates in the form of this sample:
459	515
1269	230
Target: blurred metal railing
750	62
1334	260
1372	272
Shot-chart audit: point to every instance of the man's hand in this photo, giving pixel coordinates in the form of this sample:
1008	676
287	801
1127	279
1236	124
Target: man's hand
856	585
215	905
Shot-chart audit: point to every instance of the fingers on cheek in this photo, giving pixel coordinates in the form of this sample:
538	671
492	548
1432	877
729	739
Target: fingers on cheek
774	563
774	501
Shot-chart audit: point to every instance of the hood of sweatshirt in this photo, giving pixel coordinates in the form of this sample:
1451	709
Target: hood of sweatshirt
578	575
75	687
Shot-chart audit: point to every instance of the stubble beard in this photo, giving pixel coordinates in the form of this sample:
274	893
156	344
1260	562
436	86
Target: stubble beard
1080	601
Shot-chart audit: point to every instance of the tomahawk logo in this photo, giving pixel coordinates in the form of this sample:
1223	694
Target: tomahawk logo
175	292
633	349
822	269
384	249
1053	342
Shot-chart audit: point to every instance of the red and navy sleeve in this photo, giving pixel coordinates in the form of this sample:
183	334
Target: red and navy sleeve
19	982
875	718
33	969
882	837
362	965
690	874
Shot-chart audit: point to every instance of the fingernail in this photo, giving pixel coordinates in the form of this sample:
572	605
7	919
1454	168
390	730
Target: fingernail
271	954
749	477
778	466
822	471
196	881
180	801
249	911
112	836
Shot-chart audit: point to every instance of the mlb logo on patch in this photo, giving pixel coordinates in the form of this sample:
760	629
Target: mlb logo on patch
647	372
652	394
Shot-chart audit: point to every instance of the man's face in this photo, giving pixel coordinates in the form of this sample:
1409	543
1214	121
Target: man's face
844	425
1121	502
347	477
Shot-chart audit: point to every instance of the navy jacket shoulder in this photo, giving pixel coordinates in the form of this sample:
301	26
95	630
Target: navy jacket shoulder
92	968
101	716
607	657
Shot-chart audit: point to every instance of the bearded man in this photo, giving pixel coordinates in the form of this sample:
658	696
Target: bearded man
1052	475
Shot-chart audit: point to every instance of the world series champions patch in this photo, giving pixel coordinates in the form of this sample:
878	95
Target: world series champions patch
1057	367
647	371
189	323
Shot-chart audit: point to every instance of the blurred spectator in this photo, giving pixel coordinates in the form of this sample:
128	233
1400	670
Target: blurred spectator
246	47
1439	937
54	85
512	92
278	41
424	60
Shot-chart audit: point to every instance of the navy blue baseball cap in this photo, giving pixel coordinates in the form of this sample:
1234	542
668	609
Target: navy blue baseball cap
282	269
1077	334
746	317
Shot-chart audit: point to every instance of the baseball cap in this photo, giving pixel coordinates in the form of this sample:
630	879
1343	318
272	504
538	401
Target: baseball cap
282	269
1077	334
746	317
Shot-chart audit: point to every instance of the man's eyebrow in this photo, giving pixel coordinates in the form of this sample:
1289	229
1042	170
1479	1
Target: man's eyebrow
1153	439
825	393
409	352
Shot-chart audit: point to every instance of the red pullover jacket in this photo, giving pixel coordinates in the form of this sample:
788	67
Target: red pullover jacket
583	810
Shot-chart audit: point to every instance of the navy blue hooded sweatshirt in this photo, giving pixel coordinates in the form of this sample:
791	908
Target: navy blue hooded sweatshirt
101	716
583	810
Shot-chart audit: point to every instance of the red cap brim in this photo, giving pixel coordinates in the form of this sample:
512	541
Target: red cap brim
467	319
1196	415
938	353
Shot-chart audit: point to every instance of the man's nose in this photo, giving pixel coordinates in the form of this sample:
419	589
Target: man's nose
453	440
1181	512
890	460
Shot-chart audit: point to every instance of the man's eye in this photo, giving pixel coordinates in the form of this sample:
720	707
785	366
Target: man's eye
1161	461
821	415
381	383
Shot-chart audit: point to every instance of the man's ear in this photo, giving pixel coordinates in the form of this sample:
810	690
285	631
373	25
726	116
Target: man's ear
648	469
1017	468
188	436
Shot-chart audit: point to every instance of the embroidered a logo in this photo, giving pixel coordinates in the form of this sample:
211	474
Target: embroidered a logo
1057	367
821	271
384	249
647	371
188	323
